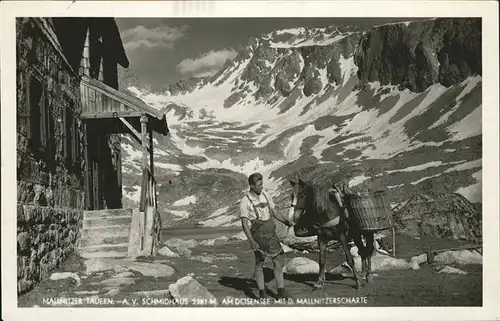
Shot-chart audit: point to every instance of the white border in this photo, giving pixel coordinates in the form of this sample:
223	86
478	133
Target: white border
486	9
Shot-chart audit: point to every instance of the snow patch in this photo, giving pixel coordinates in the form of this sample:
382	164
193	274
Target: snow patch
417	167
470	83
425	178
357	180
185	201
469	126
347	68
180	214
473	192
465	166
218	212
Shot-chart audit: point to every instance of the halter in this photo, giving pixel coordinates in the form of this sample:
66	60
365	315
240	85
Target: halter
294	207
291	210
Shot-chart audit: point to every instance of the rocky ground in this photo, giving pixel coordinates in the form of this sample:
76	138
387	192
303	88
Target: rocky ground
220	270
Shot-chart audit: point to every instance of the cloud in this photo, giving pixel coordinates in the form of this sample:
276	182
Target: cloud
206	64
159	37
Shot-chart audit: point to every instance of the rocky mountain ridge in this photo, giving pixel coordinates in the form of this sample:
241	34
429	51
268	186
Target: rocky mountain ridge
396	107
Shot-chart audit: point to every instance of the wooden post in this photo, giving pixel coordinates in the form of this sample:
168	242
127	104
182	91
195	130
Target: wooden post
87	176
144	125
393	242
152	166
151	160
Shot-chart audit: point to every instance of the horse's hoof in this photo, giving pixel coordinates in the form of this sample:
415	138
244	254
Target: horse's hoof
369	279
319	285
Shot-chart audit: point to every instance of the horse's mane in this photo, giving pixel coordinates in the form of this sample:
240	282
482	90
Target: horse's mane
321	201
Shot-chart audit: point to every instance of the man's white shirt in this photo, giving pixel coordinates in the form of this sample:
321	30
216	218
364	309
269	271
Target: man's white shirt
260	202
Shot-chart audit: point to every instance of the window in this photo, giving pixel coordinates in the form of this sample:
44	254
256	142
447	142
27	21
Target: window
75	144
71	141
39	131
68	136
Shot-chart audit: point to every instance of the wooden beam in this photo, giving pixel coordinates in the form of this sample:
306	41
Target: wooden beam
151	155
144	125
116	114
135	133
132	129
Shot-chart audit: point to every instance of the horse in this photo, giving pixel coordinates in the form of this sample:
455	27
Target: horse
332	222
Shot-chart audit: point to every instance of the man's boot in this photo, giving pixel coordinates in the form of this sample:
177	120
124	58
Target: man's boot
283	294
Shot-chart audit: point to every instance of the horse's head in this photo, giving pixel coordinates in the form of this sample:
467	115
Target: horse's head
298	201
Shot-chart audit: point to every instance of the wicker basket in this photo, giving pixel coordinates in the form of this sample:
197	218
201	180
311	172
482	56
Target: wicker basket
371	212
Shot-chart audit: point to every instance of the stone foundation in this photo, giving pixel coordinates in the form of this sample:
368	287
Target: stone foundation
45	237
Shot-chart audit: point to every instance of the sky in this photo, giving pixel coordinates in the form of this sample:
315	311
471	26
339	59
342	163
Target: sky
162	51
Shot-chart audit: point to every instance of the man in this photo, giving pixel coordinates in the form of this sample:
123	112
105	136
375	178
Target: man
256	211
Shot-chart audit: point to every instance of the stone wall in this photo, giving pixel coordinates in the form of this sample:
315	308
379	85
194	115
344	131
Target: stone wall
50	157
45	237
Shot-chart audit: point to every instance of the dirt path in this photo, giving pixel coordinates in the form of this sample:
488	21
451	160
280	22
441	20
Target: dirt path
226	271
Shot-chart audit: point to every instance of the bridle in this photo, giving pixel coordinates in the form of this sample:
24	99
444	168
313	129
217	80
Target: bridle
291	210
293	207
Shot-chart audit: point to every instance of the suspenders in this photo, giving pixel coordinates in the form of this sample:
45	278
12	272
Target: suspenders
255	207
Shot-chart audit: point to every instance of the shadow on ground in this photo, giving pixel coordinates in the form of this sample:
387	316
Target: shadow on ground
311	278
249	287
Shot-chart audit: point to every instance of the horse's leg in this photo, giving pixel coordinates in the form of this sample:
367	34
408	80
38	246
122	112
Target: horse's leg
322	242
370	239
349	258
356	235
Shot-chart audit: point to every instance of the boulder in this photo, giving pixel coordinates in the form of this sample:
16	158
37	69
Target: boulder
380	262
414	265
182	251
176	242
385	263
301	265
452	270
419	259
459	257
165	251
65	275
217	241
187	288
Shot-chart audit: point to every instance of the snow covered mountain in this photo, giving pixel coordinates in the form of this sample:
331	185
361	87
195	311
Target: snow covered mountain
396	107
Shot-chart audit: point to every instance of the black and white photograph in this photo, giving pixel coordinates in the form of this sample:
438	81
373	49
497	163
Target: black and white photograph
235	162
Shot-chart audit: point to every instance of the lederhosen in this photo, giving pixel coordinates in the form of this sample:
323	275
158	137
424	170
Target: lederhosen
264	233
